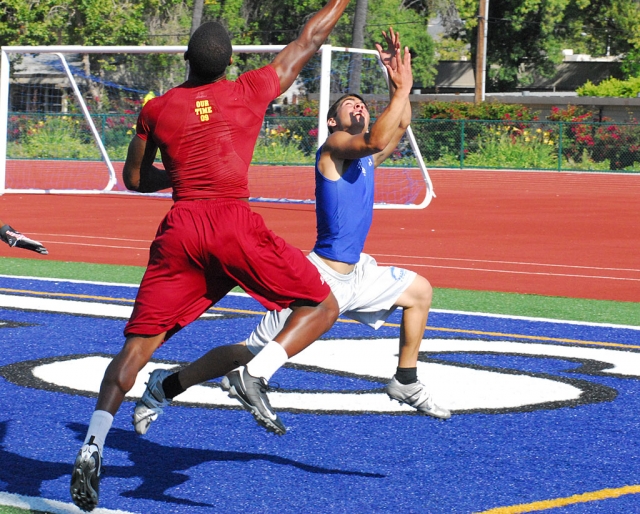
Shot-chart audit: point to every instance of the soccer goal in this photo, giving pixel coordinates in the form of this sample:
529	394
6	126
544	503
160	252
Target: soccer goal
67	114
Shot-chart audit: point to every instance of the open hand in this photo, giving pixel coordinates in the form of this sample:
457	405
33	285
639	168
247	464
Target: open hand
388	54
397	65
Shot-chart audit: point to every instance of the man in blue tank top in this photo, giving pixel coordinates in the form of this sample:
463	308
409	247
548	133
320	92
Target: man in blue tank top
366	292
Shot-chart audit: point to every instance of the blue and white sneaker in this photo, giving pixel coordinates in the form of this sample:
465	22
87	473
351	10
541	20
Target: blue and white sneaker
252	394
152	403
416	396
85	478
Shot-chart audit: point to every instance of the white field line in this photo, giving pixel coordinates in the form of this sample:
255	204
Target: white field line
50	506
542	320
538	273
517	263
505	262
445	311
106	310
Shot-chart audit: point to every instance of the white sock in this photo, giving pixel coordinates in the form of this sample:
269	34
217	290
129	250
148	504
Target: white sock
99	428
270	359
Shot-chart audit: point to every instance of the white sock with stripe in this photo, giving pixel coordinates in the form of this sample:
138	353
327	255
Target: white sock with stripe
99	427
270	359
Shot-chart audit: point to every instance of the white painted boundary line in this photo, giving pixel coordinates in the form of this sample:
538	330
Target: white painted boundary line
66	306
50	506
542	320
444	311
96	283
86	308
504	262
547	274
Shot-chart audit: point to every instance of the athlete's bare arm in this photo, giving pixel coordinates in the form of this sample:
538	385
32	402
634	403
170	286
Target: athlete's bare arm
139	173
388	57
343	145
290	61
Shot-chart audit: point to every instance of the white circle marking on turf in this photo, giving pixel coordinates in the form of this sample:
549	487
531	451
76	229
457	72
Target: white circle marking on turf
452	386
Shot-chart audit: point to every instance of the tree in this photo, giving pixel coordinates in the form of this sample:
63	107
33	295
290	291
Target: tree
357	41
37	23
279	22
412	23
528	35
82	22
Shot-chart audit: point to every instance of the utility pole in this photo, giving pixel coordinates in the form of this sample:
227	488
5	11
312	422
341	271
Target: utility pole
196	15
196	20
481	51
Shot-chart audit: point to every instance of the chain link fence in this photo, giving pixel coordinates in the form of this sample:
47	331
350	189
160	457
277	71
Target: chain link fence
539	145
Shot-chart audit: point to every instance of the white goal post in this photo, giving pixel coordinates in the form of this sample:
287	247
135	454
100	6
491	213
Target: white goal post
22	174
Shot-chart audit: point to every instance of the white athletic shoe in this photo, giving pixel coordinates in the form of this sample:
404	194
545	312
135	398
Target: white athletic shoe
152	403
416	396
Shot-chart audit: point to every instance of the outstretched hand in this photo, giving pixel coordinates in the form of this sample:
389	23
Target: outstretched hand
388	54
397	65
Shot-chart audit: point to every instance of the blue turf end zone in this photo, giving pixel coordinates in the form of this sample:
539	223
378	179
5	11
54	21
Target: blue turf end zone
208	458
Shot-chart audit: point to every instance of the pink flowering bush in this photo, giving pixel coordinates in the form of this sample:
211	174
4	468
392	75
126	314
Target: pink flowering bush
583	139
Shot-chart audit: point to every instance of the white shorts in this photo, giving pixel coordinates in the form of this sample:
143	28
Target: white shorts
368	294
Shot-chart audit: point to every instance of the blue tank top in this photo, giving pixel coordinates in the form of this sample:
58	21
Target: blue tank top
344	210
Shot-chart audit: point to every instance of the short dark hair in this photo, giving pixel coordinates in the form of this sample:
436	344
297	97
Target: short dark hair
209	51
333	110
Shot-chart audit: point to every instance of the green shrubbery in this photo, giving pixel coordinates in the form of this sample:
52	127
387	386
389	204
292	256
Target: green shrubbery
586	144
50	137
512	147
612	87
281	145
457	134
472	111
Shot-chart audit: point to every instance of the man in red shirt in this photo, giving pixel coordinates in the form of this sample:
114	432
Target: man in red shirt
210	241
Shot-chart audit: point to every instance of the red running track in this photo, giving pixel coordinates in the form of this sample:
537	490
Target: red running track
558	234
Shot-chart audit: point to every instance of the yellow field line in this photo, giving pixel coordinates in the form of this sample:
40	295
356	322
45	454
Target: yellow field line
395	325
603	494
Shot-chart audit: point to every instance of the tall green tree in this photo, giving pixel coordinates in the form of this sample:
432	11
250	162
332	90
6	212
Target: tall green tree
82	22
33	23
412	23
279	22
529	35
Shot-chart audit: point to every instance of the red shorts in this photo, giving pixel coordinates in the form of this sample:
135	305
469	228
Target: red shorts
202	250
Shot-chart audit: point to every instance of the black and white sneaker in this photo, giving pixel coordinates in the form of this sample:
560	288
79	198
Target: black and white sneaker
85	478
252	394
152	403
14	238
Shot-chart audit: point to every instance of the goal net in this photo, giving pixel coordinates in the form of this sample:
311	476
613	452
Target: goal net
67	115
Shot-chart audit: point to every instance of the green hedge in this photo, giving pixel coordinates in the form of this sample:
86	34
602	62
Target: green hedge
612	88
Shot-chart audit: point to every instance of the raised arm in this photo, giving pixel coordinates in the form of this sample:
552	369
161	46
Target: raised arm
343	145
139	173
387	57
290	61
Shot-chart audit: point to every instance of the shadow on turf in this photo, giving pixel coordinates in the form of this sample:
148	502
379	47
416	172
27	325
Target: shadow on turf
22	475
160	467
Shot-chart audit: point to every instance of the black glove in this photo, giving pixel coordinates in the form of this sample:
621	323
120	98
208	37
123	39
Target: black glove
14	238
